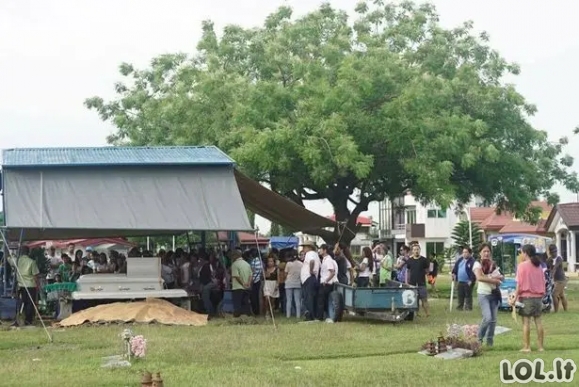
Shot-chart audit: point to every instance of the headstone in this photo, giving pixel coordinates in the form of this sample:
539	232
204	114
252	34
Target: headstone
114	362
500	330
455	353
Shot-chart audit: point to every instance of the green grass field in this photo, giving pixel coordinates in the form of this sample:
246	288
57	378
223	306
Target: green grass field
352	353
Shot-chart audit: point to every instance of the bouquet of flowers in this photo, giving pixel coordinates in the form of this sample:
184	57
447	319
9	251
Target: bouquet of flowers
138	346
134	345
465	336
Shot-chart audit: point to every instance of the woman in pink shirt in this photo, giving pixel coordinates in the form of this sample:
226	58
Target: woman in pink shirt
530	291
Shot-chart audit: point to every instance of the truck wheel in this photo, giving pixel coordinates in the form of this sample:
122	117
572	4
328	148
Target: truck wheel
336	306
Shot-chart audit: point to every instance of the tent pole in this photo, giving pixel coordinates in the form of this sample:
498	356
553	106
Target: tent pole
264	279
19	276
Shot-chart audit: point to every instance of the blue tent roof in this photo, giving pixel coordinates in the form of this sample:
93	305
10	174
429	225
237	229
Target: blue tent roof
114	156
284	242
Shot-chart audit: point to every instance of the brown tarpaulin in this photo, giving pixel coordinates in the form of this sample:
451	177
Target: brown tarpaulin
149	311
277	208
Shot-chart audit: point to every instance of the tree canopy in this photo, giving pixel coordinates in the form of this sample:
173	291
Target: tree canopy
352	111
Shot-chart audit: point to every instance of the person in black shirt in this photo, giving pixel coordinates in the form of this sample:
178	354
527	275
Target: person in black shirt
342	262
418	266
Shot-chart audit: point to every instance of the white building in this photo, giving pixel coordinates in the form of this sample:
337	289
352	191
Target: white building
406	220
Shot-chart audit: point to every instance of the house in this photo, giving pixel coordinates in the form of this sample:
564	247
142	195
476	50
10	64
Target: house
404	220
563	221
364	237
493	224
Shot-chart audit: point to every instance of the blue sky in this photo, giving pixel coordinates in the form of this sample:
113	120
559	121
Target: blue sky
54	54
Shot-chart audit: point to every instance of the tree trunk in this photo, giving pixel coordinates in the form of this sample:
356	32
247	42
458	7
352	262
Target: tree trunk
347	222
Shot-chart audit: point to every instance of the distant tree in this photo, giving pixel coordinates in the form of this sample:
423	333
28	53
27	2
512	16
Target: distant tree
461	237
279	230
350	111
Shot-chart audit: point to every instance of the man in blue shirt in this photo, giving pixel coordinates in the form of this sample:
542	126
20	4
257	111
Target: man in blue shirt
462	274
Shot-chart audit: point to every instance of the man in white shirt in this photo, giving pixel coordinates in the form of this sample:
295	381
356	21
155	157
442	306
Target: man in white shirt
53	262
309	278
328	277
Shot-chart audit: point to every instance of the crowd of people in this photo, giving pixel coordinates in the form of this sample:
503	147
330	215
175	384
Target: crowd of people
298	283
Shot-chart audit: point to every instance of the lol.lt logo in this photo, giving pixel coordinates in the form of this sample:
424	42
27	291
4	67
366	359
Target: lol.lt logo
525	371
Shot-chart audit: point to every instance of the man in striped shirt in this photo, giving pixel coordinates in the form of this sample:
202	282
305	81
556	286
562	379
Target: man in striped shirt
257	277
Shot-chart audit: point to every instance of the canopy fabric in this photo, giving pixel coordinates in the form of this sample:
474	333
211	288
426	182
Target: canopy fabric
277	208
284	242
65	203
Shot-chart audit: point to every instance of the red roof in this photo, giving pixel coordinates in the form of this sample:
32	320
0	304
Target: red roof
363	220
505	223
60	244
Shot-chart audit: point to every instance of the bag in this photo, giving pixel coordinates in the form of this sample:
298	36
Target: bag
497	295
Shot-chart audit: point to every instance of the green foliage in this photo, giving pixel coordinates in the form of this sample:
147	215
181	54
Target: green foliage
251	217
279	230
461	236
166	242
323	107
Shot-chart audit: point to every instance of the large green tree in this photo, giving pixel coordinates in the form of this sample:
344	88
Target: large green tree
352	112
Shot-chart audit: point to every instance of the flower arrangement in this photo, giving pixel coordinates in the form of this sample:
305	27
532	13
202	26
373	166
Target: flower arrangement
138	346
466	331
465	336
134	345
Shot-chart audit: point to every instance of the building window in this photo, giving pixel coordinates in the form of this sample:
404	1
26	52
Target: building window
436	213
434	248
411	216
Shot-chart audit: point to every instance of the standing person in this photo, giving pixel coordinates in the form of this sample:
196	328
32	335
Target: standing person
208	285
365	268
401	264
309	278
558	276
378	253
342	263
463	274
530	291
270	286
257	276
27	279
241	276
293	286
488	280
433	273
416	275
387	265
328	277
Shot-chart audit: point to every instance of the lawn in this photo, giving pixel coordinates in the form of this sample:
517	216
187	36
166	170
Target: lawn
352	353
